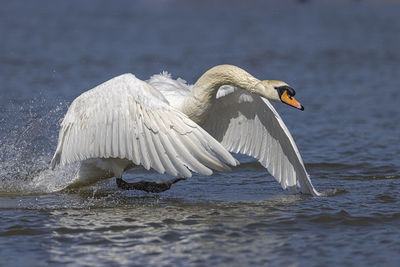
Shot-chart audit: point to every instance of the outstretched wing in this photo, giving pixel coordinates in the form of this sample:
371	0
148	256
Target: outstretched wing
249	124
127	118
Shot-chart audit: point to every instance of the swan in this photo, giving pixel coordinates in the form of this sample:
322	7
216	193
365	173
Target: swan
176	128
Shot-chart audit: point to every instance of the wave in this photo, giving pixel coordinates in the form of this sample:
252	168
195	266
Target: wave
345	218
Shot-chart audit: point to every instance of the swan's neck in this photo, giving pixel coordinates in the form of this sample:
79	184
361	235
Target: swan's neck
204	91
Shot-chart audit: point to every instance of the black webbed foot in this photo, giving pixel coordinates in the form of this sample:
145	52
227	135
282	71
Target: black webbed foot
153	187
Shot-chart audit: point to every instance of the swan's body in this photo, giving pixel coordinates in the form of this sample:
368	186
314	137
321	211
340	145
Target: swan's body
163	124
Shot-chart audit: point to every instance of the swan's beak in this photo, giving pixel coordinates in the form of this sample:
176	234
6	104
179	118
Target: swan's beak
287	99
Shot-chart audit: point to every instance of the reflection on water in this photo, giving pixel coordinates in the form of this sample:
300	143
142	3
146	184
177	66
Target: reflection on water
343	60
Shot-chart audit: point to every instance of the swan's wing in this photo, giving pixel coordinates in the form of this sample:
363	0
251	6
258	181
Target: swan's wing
127	118
249	124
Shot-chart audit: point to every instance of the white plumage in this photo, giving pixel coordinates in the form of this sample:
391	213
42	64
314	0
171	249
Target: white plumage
125	118
125	122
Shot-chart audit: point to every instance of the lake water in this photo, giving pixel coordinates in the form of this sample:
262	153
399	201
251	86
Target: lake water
342	58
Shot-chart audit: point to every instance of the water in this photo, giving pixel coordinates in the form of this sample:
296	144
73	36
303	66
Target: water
343	60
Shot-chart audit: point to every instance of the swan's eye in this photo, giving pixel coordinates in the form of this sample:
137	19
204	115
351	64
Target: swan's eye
289	90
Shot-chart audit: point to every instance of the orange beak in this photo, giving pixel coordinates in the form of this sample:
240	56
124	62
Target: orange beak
291	101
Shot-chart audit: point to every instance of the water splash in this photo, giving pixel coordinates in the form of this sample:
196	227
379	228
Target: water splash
28	137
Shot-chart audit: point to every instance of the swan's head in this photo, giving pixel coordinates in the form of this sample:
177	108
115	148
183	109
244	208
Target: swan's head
278	91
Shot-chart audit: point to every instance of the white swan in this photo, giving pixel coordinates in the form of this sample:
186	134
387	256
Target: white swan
163	124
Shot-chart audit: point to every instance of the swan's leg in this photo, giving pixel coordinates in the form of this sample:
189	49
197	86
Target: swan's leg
153	187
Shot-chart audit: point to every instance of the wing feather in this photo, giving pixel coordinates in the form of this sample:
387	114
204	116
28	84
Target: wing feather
165	161
248	124
156	162
134	134
127	118
121	138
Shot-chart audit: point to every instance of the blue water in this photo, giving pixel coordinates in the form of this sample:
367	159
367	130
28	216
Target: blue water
342	58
